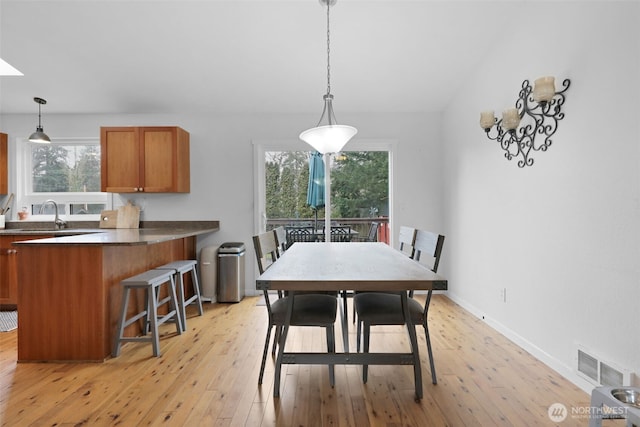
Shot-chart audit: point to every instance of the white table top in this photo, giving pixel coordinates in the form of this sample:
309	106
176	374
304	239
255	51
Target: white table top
360	266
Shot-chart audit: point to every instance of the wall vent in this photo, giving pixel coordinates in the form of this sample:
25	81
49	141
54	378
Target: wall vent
599	372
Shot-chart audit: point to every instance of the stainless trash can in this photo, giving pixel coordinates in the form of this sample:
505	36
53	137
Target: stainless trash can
209	273
231	272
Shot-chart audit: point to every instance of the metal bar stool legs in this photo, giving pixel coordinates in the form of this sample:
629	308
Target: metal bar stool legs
151	282
180	268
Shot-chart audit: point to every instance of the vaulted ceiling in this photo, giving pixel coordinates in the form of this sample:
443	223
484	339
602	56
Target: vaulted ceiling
262	56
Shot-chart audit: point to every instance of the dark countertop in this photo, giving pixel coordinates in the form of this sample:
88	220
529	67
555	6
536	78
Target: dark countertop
150	232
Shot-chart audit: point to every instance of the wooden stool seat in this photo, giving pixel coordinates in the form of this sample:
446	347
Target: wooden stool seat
150	281
180	268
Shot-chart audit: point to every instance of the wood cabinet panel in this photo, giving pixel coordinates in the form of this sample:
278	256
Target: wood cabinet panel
69	310
4	164
145	159
120	158
9	268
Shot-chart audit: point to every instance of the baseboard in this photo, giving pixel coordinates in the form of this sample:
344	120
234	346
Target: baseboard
561	368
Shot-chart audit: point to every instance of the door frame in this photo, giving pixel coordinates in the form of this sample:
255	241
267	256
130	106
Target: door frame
261	146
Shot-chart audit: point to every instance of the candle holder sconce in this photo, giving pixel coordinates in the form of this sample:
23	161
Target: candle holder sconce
540	108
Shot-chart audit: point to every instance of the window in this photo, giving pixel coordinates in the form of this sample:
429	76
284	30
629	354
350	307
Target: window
67	171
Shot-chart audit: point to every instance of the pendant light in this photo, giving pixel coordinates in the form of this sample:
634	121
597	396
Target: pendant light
39	136
328	136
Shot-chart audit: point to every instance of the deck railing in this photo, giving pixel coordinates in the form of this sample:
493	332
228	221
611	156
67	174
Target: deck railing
361	225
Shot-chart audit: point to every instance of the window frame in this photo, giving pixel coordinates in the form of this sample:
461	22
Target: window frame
25	196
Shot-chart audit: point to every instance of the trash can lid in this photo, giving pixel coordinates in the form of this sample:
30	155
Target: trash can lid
231	248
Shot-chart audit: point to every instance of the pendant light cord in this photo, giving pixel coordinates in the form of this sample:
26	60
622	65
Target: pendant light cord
328	51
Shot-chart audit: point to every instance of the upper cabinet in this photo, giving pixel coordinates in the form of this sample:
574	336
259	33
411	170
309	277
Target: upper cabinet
4	170
145	159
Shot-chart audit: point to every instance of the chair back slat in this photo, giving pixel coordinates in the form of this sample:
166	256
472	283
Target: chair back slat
281	239
428	244
407	238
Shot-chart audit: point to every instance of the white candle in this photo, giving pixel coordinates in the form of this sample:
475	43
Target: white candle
544	89
487	119
510	119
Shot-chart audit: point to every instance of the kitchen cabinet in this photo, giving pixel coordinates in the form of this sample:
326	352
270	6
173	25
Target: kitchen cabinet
9	268
4	171
145	159
69	310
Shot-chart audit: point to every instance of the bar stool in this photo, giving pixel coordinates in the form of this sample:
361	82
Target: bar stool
151	281
180	268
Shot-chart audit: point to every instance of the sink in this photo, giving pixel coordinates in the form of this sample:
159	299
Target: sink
628	396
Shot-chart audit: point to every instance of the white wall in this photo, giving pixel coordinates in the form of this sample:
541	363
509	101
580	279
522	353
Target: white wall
222	165
563	235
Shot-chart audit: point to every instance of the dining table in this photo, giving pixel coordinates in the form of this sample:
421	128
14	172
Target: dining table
341	267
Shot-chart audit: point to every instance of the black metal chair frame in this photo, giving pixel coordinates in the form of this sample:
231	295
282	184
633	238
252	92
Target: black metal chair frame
425	243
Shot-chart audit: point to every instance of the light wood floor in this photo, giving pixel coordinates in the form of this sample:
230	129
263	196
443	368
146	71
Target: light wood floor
208	377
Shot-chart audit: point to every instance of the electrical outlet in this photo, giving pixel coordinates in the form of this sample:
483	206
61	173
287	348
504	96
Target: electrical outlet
503	294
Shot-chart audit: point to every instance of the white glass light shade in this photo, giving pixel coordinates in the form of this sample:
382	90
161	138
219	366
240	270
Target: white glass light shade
510	119
487	119
544	89
328	139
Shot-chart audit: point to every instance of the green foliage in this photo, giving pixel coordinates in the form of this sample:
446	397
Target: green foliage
85	175
287	175
359	185
50	170
66	168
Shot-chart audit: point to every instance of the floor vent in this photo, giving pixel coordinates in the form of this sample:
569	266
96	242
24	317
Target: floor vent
601	373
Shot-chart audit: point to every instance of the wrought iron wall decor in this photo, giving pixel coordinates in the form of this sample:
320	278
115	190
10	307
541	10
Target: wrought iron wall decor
539	109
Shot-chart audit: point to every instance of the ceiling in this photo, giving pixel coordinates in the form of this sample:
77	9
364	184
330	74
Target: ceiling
262	56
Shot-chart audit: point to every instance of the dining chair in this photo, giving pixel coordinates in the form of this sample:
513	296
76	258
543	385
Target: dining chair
406	239
385	308
309	309
281	239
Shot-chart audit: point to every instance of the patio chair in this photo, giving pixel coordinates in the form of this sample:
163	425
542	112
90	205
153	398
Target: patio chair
339	233
300	234
309	309
380	308
372	235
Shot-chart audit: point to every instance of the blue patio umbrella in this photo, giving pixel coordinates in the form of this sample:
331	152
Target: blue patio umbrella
315	188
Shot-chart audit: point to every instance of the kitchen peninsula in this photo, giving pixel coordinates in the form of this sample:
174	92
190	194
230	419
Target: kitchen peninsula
69	291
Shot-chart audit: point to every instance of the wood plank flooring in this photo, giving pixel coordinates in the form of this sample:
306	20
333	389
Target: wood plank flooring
208	377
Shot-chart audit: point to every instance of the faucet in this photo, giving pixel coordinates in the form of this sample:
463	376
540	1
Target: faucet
57	222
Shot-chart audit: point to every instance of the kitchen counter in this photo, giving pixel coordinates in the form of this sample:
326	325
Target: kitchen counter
116	236
69	291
